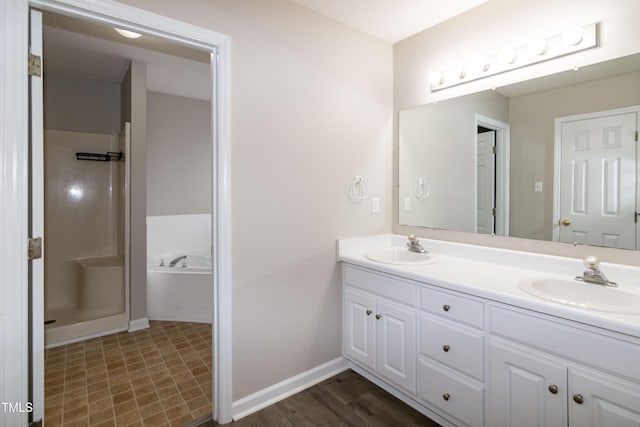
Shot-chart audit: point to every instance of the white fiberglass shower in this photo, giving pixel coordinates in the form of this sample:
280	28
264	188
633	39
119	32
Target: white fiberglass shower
86	221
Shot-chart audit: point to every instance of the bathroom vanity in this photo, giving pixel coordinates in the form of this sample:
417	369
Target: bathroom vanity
459	340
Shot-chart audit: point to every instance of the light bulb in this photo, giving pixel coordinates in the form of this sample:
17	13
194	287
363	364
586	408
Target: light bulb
572	36
126	33
456	72
480	65
435	78
536	47
506	56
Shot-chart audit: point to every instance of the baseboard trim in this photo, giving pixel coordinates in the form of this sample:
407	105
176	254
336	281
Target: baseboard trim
138	324
270	395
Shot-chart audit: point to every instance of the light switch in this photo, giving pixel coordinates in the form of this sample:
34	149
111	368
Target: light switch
375	204
537	186
407	203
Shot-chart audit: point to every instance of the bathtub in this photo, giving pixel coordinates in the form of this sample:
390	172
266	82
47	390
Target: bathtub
180	293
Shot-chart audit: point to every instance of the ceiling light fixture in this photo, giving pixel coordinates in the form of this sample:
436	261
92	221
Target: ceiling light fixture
571	40
126	33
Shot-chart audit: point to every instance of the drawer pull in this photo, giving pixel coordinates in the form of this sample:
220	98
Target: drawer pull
553	389
446	396
445	348
446	307
368	312
378	316
578	399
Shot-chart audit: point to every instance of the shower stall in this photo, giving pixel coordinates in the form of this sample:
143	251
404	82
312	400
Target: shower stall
86	229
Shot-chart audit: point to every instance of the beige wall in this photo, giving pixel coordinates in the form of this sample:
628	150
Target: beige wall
532	141
81	105
134	110
310	108
178	155
485	29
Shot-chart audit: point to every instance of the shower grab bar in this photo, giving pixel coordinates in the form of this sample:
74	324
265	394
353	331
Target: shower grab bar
99	157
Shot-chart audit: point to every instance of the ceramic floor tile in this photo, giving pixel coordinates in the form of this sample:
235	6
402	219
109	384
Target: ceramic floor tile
158	376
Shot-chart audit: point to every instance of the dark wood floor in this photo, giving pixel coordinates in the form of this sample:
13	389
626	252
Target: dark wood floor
346	399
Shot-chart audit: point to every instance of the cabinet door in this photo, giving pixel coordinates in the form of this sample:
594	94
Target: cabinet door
359	327
602	400
396	344
526	388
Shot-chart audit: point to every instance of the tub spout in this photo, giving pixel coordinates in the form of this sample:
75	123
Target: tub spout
176	260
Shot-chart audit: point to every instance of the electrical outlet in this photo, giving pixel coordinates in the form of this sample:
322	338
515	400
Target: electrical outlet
375	204
407	203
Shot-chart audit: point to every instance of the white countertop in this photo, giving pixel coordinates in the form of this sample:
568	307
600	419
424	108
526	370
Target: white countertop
493	274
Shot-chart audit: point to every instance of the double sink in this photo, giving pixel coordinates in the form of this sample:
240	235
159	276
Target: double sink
571	292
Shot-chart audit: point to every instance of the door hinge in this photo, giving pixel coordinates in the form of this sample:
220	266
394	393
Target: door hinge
493	212
635	216
636	136
35	65
35	248
494	149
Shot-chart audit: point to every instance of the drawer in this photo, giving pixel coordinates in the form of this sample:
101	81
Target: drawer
558	336
452	307
382	284
461	399
455	346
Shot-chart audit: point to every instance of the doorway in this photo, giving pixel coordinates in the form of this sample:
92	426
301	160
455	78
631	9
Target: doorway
492	175
217	44
596	178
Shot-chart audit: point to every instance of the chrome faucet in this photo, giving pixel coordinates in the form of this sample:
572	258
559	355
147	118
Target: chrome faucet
175	261
593	274
414	245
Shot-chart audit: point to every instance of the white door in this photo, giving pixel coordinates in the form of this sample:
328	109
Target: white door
525	389
396	344
36	226
486	171
359	327
598	181
598	400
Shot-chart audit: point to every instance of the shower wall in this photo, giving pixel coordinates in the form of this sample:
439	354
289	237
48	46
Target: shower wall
83	211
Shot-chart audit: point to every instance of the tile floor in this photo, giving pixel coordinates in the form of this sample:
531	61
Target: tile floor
159	376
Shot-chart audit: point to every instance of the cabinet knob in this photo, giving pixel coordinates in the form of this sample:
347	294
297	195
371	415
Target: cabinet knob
446	307
446	396
378	316
445	348
368	312
553	389
578	399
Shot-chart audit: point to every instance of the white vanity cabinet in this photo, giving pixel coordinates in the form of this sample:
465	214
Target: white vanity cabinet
451	359
465	359
556	384
379	325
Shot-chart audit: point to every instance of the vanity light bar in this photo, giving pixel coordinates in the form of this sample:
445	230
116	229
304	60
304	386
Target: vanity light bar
539	49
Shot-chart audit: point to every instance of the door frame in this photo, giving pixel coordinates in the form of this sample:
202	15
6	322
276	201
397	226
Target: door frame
557	158
503	171
14	142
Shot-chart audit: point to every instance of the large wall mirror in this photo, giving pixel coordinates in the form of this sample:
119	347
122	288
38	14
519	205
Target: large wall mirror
555	158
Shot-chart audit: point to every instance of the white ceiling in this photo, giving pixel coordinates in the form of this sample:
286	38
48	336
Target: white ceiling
390	20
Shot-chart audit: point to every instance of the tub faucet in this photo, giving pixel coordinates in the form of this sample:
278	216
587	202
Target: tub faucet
414	245
593	274
175	261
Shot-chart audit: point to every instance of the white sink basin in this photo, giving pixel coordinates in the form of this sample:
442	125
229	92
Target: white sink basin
399	256
584	295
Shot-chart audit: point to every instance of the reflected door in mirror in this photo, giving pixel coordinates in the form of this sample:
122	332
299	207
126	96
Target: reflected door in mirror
486	192
598	180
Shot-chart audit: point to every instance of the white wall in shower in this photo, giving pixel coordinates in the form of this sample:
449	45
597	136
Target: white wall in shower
82	199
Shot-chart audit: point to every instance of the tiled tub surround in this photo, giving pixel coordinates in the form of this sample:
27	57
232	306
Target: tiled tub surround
159	376
177	293
453	338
